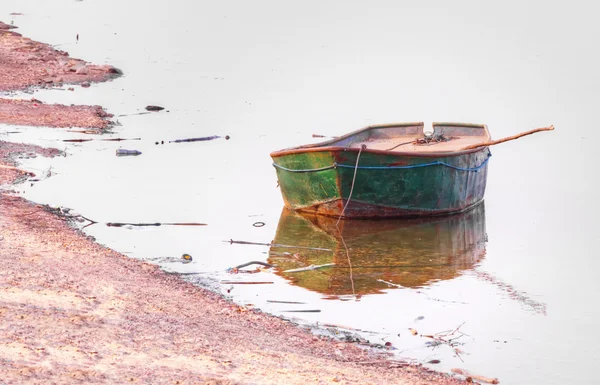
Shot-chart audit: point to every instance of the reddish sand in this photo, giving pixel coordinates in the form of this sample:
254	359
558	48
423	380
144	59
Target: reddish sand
72	311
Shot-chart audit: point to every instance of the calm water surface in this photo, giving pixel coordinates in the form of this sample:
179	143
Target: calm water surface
519	273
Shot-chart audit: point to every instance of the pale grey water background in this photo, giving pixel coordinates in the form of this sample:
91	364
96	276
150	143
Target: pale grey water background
270	74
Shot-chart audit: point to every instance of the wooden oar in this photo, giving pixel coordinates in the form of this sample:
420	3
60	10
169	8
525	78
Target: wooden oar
492	142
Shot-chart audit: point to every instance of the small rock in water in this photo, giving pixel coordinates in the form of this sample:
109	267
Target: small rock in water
85	84
154	108
419	318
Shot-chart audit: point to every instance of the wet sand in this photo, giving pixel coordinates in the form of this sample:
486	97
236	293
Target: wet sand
73	311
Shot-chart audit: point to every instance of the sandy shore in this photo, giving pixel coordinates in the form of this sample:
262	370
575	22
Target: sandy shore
73	311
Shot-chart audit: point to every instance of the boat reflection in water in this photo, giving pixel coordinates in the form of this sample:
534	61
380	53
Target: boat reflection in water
373	255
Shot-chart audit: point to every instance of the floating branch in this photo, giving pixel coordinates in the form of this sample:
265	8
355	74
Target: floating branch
77	140
94	132
100	140
302	311
245	282
199	139
136	113
118	224
287	302
235	270
441	338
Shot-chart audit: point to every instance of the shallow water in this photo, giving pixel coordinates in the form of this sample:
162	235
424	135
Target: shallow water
519	273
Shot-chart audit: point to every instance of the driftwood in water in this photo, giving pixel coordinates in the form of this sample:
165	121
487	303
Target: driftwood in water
118	224
286	302
136	113
253	263
476	377
118	139
245	282
302	311
101	140
91	132
231	241
202	139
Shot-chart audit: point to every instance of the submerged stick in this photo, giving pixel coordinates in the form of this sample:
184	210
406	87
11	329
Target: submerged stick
118	224
254	263
245	282
77	140
202	139
308	268
492	142
231	241
118	139
286	302
95	132
137	113
302	311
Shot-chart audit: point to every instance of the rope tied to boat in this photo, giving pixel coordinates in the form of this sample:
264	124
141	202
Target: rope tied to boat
390	167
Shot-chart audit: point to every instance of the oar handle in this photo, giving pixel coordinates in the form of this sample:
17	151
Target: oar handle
492	142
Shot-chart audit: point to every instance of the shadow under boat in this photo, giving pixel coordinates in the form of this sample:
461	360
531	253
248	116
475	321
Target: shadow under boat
371	256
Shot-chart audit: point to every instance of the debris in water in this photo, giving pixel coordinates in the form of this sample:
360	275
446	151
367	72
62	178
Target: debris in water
302	311
419	318
202	139
135	113
231	241
118	139
476	377
287	302
101	140
123	152
308	268
154	108
413	331
246	282
258	224
235	270
434	362
119	224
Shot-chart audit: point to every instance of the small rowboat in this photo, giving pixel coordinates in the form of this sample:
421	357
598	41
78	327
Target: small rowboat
391	170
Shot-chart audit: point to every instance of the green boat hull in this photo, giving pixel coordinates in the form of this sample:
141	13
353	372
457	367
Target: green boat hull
384	185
